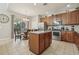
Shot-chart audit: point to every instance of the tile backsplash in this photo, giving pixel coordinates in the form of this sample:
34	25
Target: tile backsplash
76	27
69	27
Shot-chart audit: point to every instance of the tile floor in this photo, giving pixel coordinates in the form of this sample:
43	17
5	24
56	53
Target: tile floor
10	47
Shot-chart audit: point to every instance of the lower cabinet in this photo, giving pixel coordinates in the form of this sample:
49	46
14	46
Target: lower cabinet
48	37
67	36
33	43
39	42
72	37
76	39
63	36
46	40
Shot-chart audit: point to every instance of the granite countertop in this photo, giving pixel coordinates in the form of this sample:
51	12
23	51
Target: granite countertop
39	32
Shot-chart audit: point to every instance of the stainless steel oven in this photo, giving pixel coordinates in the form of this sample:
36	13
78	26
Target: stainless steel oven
56	35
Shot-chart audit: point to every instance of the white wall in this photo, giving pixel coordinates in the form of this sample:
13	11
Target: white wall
5	28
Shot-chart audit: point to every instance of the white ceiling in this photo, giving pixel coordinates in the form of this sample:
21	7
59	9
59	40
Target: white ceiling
30	9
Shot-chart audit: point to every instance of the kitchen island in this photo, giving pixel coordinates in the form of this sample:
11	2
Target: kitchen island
39	41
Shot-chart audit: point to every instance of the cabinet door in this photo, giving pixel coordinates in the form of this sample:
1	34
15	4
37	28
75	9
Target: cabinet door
76	39
67	36
50	37
59	16
46	40
64	18
69	20
63	36
34	43
75	17
70	37
44	19
41	43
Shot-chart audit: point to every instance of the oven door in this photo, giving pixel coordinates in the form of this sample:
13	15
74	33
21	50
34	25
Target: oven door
56	35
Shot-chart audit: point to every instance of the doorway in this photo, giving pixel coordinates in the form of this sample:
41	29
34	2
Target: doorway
18	26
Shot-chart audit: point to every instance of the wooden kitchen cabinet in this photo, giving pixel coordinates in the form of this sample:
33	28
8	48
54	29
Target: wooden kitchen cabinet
78	16
50	19
70	17
76	39
69	20
59	16
50	37
47	19
65	18
44	19
72	37
41	43
67	36
74	17
33	43
48	40
38	42
63	36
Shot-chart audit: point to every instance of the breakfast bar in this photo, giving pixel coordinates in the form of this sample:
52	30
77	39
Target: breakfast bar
39	41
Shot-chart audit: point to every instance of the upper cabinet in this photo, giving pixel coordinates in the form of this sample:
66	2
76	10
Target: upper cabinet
66	18
63	17
47	19
59	16
75	17
71	17
44	19
50	20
